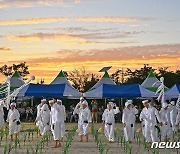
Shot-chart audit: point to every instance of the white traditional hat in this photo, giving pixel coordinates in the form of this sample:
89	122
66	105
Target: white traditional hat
58	100
127	103
130	101
43	100
13	104
111	103
85	102
145	101
51	101
172	102
81	98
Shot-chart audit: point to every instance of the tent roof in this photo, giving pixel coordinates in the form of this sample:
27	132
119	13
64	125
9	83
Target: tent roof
16	81
173	92
149	81
119	91
61	79
104	80
52	90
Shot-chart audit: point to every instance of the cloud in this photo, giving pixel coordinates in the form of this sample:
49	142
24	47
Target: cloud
86	38
5	49
112	19
135	53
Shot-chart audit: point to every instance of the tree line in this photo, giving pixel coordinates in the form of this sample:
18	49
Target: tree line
83	80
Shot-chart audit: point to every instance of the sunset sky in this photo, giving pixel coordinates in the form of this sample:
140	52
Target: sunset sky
51	35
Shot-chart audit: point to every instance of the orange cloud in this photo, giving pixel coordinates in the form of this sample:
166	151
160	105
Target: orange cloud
47	65
5	49
27	21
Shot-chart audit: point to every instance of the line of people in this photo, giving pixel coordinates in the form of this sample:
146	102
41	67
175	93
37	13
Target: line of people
153	121
168	118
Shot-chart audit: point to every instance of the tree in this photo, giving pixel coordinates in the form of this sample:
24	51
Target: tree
117	76
81	79
139	75
21	68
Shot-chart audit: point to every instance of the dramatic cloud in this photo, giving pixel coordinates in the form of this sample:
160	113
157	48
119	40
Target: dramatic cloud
113	19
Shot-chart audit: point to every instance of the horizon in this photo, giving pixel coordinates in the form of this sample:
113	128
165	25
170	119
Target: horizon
54	35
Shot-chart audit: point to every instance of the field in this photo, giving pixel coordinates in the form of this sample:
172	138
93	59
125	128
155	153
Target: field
29	143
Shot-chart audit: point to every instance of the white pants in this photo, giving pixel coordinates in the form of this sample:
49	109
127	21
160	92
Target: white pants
56	130
109	131
63	129
166	131
129	132
83	128
150	133
13	128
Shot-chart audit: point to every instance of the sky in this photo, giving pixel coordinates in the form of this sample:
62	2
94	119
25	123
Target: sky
51	35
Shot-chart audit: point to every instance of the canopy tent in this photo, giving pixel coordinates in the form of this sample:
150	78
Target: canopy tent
173	92
52	90
15	81
61	79
119	91
104	80
149	81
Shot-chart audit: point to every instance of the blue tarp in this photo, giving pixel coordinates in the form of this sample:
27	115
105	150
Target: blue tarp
119	91
173	92
38	90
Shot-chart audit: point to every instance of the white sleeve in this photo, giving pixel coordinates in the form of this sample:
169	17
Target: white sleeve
178	117
116	111
104	115
142	116
76	111
124	116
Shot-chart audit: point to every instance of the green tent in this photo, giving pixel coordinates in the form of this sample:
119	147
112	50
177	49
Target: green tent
149	81
104	80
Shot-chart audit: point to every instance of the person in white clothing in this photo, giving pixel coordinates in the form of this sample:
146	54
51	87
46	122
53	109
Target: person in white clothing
173	115
178	115
14	121
37	122
109	120
128	120
166	130
55	122
1	113
84	119
43	119
63	115
149	115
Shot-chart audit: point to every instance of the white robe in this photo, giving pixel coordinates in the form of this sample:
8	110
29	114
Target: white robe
129	119
166	129
1	116
178	117
173	115
13	127
149	116
62	114
84	120
56	120
38	112
108	117
43	119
